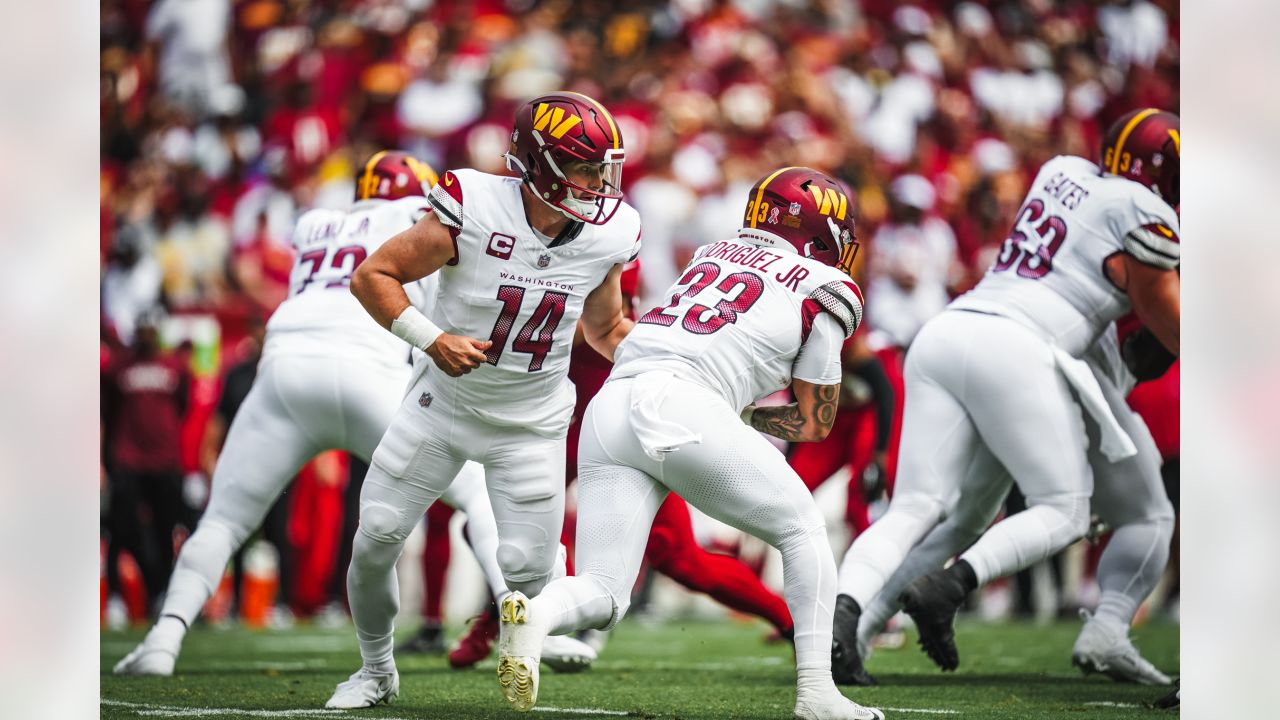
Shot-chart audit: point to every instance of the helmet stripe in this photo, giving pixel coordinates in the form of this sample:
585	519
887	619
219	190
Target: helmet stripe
366	182
1124	135
760	192
1177	141
603	112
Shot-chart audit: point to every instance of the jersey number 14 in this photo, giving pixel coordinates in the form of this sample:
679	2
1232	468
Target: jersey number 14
536	335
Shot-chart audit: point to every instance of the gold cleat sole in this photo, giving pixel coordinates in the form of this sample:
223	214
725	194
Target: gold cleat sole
518	678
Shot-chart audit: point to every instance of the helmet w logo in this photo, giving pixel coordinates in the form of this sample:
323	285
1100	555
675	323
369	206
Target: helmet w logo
553	117
829	200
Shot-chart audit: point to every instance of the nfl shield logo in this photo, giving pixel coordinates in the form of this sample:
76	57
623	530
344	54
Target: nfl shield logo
425	399
544	260
794	209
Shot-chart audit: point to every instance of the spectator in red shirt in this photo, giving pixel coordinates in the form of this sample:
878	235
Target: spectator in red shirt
144	399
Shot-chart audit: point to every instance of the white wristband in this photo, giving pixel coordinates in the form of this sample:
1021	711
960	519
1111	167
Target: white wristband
747	412
414	328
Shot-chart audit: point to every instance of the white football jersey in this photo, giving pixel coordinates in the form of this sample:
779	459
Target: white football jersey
321	316
738	319
525	295
1049	273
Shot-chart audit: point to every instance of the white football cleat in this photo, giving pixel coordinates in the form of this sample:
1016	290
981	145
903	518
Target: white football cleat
566	654
597	639
146	660
365	689
829	704
1100	649
519	651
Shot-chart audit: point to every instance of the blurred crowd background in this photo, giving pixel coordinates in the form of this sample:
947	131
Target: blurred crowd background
223	120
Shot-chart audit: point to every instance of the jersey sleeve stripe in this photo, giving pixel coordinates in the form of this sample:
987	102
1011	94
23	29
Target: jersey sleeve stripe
1161	230
448	209
1156	243
842	301
1152	249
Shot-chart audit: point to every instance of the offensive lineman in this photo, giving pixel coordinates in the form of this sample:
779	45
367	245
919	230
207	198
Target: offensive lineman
750	316
1129	497
519	260
328	378
997	378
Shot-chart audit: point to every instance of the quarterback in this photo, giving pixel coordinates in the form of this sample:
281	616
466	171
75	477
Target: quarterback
998	379
519	261
751	315
328	378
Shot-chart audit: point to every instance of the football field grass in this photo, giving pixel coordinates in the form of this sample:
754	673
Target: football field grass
681	669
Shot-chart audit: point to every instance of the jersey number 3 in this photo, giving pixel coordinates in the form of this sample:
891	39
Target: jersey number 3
699	278
1033	262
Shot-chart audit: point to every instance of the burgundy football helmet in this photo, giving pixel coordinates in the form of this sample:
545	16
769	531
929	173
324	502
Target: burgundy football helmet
391	175
555	130
806	209
1144	146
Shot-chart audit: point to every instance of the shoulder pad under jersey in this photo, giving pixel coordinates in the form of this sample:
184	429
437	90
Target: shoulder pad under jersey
840	298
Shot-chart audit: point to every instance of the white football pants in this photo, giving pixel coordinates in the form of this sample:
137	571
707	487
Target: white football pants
298	407
428	442
978	384
1129	496
733	474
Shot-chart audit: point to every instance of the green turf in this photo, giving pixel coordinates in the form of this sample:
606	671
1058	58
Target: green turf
681	670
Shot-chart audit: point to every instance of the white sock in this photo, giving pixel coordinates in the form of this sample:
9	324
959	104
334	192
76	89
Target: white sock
809	587
1020	541
167	634
1130	567
876	554
374	594
814	678
198	571
573	603
942	543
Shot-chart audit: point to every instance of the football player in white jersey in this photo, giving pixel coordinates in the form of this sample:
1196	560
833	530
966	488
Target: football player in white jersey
997	377
329	378
1129	498
768	309
520	260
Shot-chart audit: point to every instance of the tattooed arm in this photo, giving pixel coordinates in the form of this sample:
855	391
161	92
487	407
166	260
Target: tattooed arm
808	419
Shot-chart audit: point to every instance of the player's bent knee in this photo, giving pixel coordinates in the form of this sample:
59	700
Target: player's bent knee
532	587
383	523
521	571
799	536
1073	512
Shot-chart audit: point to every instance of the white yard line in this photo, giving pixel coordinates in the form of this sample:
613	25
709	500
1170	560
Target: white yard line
152	710
1108	703
582	711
